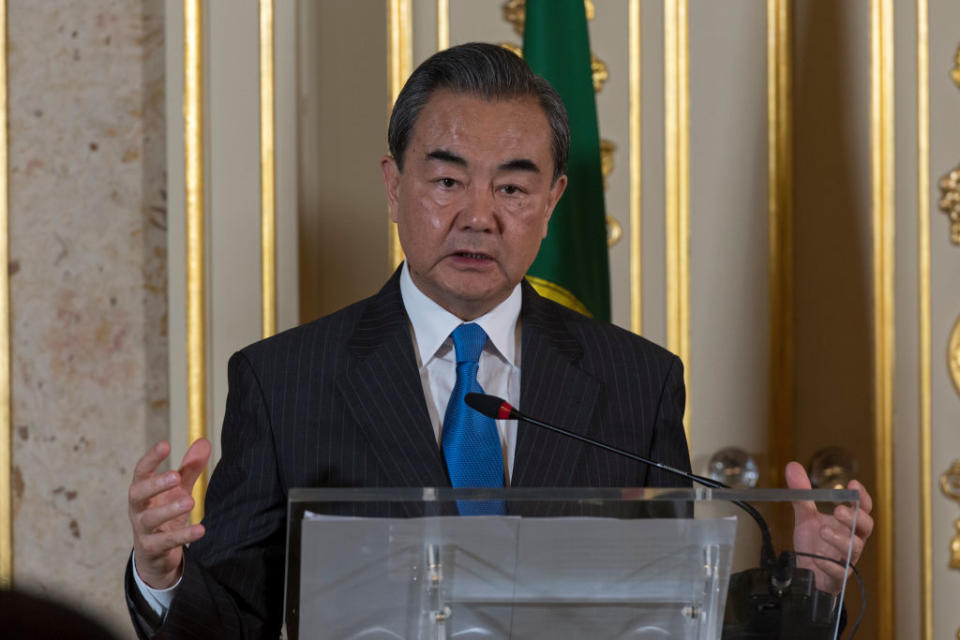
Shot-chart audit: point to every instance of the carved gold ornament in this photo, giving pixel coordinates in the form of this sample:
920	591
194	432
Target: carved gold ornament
950	202
950	486
614	230
515	12
953	355
597	66
600	74
607	149
955	74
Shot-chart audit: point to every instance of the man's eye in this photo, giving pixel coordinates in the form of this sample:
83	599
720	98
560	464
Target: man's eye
447	183
511	189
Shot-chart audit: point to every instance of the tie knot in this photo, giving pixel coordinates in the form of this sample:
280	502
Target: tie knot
468	340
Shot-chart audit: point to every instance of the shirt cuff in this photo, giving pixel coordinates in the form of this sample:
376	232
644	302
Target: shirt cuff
158	599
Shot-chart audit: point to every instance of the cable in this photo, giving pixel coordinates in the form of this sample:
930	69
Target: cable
863	589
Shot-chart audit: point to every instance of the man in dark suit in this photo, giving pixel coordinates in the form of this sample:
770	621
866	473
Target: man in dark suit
478	152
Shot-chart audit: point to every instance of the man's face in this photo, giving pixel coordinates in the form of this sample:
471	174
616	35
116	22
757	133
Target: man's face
474	198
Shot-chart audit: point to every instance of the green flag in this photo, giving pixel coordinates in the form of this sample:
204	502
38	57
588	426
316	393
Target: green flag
572	266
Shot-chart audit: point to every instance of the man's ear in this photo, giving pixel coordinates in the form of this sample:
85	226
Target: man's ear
391	183
556	191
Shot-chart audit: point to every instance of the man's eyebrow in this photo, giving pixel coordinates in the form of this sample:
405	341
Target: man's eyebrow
447	156
520	164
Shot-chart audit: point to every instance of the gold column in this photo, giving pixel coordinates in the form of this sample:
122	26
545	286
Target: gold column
677	160
780	433
923	295
882	165
636	175
443	24
193	161
399	66
6	442
268	199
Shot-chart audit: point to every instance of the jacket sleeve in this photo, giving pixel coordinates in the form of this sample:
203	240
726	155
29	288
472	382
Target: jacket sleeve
232	585
669	443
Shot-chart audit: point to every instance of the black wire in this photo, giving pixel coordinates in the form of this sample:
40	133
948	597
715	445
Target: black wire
863	589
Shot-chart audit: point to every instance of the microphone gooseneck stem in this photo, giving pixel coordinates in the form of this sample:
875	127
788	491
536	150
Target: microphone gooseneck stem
502	410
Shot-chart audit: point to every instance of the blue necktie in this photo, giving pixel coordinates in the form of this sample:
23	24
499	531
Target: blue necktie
470	440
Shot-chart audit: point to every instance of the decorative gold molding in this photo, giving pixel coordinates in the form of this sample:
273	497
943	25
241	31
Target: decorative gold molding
607	149
636	174
953	355
950	486
614	230
268	199
6	443
882	165
399	66
781	426
923	299
950	202
193	163
515	12
443	24
677	161
955	74
598	69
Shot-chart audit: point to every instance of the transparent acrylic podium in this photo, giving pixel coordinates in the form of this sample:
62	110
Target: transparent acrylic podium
563	563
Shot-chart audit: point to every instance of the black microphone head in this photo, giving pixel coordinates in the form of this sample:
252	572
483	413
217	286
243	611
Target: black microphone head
490	406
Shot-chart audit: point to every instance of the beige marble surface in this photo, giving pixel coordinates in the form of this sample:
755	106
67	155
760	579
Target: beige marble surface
88	265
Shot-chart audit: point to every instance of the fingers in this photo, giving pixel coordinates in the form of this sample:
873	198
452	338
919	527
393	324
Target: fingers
148	464
829	543
151	519
839	539
829	576
194	462
866	502
845	516
157	544
797	478
150	487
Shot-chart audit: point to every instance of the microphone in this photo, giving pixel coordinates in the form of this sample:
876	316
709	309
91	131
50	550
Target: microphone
765	589
500	409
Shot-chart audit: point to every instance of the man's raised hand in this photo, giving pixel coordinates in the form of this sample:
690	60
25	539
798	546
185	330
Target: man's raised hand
159	508
828	534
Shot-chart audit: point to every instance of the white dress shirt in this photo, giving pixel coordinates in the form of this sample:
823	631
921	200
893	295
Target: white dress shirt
499	372
431	325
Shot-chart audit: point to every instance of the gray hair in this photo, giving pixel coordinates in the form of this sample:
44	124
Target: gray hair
484	70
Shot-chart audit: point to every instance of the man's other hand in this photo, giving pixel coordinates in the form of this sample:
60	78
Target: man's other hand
827	534
159	507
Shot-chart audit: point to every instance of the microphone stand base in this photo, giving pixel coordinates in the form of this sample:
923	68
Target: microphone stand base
755	609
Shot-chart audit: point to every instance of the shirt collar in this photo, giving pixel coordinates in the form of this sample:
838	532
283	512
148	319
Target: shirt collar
432	324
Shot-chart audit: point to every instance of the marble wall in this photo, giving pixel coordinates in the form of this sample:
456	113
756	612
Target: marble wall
88	267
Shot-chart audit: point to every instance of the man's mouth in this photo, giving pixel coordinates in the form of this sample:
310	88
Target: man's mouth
469	255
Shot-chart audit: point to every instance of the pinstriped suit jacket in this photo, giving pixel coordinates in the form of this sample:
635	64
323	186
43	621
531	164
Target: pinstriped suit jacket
338	402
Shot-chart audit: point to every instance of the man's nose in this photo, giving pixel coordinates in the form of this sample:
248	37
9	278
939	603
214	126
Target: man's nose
479	212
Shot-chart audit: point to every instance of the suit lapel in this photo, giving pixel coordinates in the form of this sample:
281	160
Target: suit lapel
554	389
384	393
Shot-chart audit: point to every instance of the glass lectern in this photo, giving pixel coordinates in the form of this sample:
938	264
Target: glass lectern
563	563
